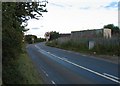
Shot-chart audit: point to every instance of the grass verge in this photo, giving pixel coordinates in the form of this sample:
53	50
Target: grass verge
83	48
28	70
20	71
109	53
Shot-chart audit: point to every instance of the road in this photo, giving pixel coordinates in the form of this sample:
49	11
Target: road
58	66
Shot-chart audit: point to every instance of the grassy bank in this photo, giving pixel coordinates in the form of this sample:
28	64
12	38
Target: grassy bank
20	71
83	47
69	45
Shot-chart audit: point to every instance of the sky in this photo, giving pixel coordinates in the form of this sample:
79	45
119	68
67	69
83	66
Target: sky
65	16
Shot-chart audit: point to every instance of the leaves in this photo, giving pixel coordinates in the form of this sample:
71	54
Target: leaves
28	38
54	35
14	14
115	29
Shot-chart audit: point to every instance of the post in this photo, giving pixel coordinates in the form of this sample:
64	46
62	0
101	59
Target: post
91	44
32	40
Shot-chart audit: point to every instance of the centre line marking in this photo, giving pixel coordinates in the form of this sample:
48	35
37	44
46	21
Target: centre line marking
92	71
88	69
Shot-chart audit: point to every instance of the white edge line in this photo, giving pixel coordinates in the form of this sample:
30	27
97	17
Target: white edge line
64	58
111	76
48	52
44	71
46	74
94	72
82	67
53	82
87	69
84	55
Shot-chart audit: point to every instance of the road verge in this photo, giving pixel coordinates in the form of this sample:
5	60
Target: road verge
20	71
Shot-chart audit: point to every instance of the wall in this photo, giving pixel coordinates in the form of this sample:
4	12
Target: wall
107	33
95	33
87	34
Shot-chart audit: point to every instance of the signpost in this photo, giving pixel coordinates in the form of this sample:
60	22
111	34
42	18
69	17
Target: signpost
47	36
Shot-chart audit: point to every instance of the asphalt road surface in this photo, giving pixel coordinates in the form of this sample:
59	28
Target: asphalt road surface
58	66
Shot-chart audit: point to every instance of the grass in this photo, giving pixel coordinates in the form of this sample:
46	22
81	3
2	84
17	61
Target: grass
69	45
28	70
20	71
83	47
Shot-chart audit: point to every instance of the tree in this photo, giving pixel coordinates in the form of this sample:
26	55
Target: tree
47	36
40	39
54	35
28	38
13	16
115	29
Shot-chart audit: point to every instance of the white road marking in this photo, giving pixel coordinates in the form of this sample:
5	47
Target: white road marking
87	69
42	69
48	52
64	58
45	72
69	51
84	55
53	82
64	50
92	71
77	53
111	76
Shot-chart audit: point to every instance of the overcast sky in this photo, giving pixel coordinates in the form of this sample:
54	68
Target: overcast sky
65	16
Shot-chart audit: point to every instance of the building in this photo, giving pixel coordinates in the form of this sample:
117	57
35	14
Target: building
65	35
95	33
107	33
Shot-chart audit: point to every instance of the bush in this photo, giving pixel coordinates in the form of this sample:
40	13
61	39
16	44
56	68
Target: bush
20	71
106	49
70	45
53	43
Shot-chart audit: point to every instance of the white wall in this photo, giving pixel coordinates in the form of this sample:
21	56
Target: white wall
107	33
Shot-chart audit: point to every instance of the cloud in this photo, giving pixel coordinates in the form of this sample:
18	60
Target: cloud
112	5
84	8
58	5
35	28
85	4
65	16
